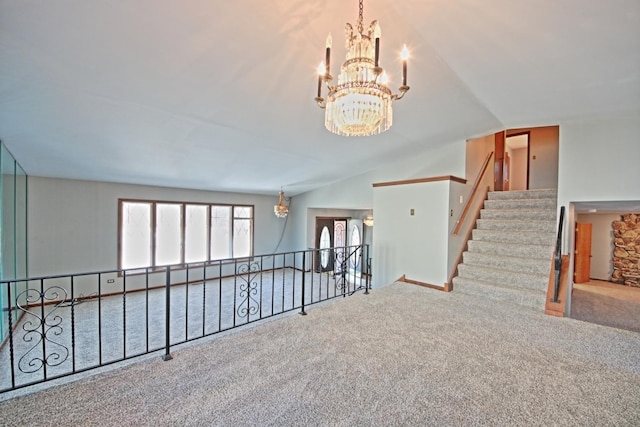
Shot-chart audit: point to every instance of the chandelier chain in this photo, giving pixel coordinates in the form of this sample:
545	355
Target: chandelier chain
361	17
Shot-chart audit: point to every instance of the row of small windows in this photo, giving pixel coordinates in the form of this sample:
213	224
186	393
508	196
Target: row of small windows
167	233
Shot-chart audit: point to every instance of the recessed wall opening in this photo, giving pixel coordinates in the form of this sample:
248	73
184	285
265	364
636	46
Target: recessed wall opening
605	255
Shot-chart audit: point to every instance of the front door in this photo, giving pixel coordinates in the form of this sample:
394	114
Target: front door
355	239
331	238
324	244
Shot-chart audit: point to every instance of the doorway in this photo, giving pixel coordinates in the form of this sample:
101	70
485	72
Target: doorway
516	162
331	239
594	240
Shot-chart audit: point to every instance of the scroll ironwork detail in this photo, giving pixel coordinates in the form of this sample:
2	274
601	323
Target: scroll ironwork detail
340	269
42	329
248	305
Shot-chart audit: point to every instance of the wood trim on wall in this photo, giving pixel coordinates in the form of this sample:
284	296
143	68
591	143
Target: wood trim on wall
421	180
498	175
444	288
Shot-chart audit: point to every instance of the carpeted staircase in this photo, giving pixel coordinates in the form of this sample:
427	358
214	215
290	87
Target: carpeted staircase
509	256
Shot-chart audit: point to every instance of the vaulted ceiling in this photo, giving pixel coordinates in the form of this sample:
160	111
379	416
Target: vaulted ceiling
219	95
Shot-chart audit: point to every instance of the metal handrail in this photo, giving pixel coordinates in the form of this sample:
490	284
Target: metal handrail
147	310
558	257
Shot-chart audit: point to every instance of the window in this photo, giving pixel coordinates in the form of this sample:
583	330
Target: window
163	233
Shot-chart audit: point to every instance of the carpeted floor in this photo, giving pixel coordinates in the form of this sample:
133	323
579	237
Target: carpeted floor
607	304
84	335
403	355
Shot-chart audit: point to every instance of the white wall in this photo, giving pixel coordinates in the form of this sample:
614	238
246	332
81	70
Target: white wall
601	243
598	161
477	151
357	192
543	156
73	225
412	245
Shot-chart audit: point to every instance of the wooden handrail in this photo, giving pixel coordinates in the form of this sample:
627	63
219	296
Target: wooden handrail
465	211
449	284
420	181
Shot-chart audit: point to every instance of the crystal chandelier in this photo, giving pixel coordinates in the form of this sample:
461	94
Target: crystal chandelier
360	103
281	210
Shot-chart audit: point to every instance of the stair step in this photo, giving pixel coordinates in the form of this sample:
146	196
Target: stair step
514	279
519	214
531	225
522	237
549	193
511	249
511	263
524	297
521	204
508	258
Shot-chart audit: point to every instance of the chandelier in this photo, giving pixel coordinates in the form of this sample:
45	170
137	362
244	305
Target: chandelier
360	103
281	210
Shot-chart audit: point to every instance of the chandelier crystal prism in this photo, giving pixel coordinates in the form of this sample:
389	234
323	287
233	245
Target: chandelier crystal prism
360	103
281	210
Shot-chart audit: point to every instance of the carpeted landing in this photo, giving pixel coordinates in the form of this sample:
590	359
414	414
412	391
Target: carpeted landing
403	355
606	304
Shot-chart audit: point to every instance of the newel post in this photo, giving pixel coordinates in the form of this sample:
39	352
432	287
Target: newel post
167	343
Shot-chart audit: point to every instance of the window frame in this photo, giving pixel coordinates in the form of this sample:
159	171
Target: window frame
183	209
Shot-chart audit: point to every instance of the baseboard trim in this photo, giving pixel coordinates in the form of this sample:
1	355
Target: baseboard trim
445	288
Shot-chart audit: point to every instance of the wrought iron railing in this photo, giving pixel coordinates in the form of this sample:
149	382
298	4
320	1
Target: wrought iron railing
67	324
558	257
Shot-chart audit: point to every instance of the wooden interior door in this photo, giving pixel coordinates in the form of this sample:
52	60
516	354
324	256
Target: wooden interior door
582	262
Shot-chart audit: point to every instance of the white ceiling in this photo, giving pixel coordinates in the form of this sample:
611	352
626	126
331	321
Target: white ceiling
219	95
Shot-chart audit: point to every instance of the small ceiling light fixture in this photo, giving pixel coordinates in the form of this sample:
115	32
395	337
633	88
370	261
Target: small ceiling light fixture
281	210
360	104
368	220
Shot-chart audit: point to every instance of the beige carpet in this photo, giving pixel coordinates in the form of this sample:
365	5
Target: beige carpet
607	304
404	355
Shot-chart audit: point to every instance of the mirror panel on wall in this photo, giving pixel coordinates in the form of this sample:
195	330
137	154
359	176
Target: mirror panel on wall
13	234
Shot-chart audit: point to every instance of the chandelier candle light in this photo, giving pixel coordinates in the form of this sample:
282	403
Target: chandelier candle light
360	104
